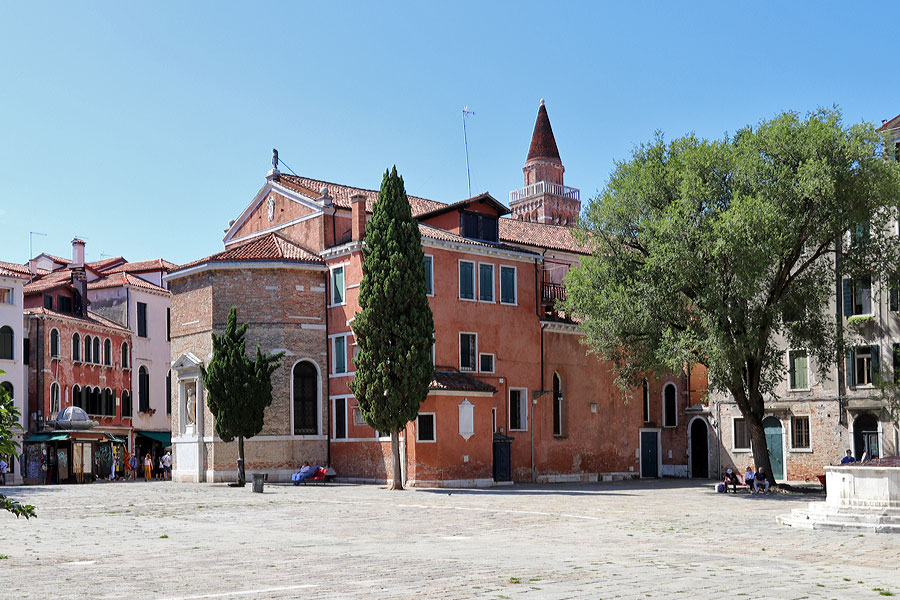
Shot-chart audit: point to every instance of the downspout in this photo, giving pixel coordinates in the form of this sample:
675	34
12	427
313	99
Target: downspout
327	398
839	329
538	299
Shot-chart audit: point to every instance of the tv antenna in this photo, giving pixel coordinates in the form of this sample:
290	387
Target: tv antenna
31	235
465	113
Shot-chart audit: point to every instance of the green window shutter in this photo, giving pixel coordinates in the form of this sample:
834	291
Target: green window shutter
800	374
338	286
876	370
851	372
466	280
848	298
486	283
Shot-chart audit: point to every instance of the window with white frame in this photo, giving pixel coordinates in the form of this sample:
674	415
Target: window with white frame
54	343
7	343
466	280
468	350
76	347
857	296
670	405
557	405
337	285
339	354
340	418
486	363
508	285
800	432
798	369
428	261
305	388
485	282
87	348
518	409
425	429
6	296
741	434
54	398
862	365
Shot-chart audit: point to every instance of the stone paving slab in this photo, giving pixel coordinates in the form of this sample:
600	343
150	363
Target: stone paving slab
645	539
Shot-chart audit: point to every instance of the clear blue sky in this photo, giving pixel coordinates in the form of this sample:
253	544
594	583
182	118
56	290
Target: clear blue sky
145	127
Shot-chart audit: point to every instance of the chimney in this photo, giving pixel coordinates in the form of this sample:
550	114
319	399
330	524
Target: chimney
77	253
358	206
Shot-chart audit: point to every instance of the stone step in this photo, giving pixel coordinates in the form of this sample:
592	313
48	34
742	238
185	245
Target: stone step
838	525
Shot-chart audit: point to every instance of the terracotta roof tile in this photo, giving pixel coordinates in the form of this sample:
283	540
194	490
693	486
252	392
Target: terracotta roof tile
49	281
440	234
107	263
341	194
449	379
555	237
14	270
543	144
483	197
92	318
890	124
270	247
157	264
121	279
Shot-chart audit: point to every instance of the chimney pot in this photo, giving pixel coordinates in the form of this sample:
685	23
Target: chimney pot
77	253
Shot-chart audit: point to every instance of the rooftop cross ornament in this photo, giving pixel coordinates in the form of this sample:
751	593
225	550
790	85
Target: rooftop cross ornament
275	158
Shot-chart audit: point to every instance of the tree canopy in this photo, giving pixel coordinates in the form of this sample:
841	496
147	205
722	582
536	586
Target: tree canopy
394	329
9	423
238	389
726	252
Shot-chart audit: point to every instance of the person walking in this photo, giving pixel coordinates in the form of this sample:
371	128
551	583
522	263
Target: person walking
3	467
167	465
148	467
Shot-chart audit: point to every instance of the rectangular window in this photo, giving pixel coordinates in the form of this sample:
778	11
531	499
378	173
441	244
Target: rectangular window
518	409
358	419
494	420
168	324
800	433
896	357
6	295
142	319
425	428
486	282
857	296
798	369
507	285
646	394
741	435
466	280
486	363
428	261
48	301
64	303
468	350
894	293
862	364
337	285
478	226
340	418
339	363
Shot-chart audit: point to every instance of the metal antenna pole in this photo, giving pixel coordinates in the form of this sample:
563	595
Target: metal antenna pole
466	111
31	235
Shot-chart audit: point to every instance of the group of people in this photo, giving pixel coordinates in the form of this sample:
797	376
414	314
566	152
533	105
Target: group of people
758	482
305	472
164	473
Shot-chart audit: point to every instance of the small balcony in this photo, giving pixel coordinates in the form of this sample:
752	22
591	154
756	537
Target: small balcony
544	187
553	292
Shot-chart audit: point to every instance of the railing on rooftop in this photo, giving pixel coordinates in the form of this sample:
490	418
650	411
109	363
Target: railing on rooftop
553	292
544	187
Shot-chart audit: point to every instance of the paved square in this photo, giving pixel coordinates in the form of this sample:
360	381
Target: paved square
653	539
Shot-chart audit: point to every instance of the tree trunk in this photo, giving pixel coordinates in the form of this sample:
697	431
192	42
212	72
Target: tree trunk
760	447
752	409
397	483
242	477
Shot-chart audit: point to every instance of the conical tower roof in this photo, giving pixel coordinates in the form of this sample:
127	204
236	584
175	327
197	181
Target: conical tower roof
543	144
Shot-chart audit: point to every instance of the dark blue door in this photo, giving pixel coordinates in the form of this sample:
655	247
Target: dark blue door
649	454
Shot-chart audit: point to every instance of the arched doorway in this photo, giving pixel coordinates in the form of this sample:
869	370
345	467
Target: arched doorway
865	436
772	429
699	449
306	398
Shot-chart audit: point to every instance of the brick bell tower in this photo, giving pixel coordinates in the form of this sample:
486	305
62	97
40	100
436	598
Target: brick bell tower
545	199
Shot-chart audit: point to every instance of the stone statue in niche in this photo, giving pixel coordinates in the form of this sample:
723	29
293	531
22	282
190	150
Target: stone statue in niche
190	404
271	205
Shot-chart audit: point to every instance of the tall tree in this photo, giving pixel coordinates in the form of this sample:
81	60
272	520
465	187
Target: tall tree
724	252
238	389
9	423
394	329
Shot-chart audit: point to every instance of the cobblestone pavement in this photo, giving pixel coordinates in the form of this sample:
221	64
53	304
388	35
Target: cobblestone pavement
656	539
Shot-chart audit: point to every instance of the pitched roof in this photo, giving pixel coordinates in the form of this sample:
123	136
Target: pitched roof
50	281
483	197
269	247
449	379
107	263
157	264
14	270
543	144
341	194
540	235
92	318
890	124
122	279
443	235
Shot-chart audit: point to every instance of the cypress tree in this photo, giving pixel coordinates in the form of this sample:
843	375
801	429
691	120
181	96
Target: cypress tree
394	329
238	389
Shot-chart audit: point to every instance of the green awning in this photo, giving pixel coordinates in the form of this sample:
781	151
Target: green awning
113	438
160	436
48	437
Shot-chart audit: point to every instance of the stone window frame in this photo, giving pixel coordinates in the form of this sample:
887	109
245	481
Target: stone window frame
319	405
332	270
734	446
797	419
790	361
665	422
515	284
523	408
493	269
433	439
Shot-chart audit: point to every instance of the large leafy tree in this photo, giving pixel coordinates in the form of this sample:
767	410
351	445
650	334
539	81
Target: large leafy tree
725	252
9	423
239	389
394	328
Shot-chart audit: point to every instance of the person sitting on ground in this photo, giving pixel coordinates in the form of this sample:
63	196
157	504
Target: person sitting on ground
761	479
748	478
730	478
849	458
306	471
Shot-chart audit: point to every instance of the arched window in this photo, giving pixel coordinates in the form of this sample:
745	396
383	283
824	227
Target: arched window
109	403
54	343
76	346
645	389
8	387
670	405
169	393
124	355
306	398
96	350
126	404
76	396
107	352
143	390
87	348
6	342
557	405
54	398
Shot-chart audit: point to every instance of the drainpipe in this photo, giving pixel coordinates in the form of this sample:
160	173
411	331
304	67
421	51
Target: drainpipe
839	328
718	438
327	379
